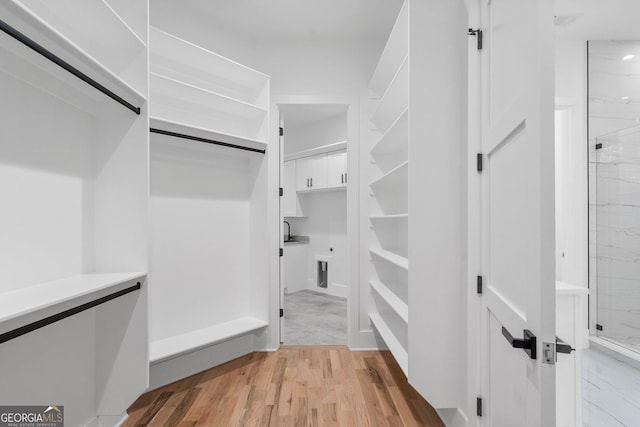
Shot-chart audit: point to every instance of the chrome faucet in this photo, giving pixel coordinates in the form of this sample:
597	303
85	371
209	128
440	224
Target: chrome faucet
289	233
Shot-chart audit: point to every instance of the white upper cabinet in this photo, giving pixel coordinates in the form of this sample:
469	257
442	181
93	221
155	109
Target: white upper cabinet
322	172
337	169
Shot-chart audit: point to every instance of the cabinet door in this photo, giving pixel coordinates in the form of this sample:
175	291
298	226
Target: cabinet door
337	169
318	172
303	173
289	186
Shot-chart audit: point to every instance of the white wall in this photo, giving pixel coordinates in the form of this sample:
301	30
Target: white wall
326	226
571	163
316	134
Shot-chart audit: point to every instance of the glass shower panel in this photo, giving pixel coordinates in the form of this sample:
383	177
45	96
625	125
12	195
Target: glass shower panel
618	236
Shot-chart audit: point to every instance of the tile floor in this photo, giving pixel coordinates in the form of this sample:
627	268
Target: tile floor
313	318
610	392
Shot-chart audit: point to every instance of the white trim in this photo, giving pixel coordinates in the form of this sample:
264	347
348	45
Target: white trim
336	146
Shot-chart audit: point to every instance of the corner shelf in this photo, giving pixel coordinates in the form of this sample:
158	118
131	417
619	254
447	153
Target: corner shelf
396	348
400	307
168	348
391	257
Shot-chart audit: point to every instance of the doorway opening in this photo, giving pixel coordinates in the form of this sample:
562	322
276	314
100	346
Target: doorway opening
314	265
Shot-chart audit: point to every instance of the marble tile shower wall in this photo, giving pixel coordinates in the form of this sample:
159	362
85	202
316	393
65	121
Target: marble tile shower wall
615	250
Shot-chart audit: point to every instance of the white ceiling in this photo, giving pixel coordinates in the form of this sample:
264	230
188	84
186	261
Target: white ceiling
302	19
598	19
295	115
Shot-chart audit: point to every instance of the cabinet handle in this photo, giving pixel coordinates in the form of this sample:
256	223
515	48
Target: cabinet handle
311	181
307	182
345	177
341	178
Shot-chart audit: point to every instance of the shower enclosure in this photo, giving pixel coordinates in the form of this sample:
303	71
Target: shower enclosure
614	192
616	236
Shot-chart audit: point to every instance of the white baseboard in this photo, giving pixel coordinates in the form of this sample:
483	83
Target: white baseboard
453	417
335	289
171	370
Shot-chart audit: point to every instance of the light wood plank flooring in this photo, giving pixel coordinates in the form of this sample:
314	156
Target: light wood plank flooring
295	386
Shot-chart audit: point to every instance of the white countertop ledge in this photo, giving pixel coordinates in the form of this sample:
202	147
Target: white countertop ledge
20	302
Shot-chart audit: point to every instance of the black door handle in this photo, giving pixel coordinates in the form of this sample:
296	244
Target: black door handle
563	347
528	343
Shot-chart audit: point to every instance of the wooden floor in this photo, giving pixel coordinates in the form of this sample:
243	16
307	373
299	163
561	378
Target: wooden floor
295	386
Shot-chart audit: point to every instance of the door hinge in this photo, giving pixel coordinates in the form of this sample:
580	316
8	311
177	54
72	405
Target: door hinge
478	34
282	312
281	252
599	327
281	131
281	191
479	162
479	406
479	285
598	145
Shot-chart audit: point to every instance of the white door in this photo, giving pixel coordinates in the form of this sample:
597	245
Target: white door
517	213
337	169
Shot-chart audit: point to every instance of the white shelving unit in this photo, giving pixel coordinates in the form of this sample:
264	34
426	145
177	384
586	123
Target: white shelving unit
389	213
209	124
74	178
193	86
413	204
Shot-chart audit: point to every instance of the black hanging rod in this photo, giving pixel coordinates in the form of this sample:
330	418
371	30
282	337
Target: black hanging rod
15	333
63	64
208	141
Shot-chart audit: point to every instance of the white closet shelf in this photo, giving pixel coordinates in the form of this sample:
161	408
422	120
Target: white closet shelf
194	340
395	99
395	178
396	49
30	66
206	100
396	138
40	297
322	190
391	216
68	19
393	258
396	348
400	307
192	64
186	129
